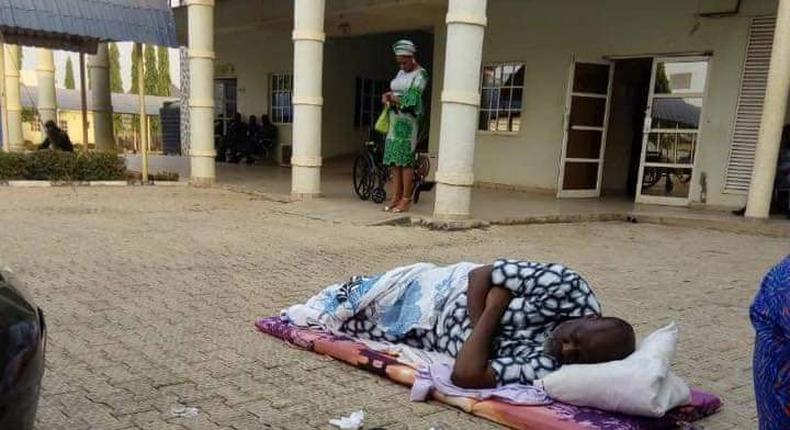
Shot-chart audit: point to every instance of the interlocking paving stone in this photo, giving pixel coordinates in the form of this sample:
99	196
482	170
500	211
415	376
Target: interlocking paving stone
150	296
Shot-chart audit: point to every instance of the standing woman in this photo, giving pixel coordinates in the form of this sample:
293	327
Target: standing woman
406	109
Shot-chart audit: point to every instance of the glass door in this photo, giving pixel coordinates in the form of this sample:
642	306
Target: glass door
671	130
586	120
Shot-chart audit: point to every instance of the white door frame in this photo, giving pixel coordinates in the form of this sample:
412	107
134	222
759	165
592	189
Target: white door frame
647	128
567	128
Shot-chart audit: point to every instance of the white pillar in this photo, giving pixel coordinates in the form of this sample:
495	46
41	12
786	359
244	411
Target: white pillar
101	98
201	91
774	110
47	100
466	23
309	37
13	101
3	108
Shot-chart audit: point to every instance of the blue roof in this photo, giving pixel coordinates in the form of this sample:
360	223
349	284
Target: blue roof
79	25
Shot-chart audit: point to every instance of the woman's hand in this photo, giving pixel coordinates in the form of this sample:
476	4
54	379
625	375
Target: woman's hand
386	97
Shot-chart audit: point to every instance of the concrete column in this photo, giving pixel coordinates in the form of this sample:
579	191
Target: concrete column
201	91
101	99
3	110
308	102
13	102
774	110
47	100
466	23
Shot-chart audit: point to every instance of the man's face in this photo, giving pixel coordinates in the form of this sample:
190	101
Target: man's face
582	341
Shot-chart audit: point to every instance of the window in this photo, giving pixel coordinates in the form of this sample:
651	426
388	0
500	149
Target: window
225	105
280	103
35	124
367	102
501	98
64	125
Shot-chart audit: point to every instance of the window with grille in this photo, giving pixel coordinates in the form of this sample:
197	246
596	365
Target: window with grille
501	97
280	99
367	101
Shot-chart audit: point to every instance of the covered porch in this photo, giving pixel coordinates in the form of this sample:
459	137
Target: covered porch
489	206
313	41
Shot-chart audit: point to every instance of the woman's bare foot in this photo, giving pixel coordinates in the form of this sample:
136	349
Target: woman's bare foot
403	206
392	205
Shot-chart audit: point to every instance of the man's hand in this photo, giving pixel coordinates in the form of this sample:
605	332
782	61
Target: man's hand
471	368
498	299
477	291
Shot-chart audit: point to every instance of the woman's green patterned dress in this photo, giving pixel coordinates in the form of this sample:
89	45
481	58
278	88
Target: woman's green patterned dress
405	118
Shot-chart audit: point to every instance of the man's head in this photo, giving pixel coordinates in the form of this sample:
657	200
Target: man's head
591	340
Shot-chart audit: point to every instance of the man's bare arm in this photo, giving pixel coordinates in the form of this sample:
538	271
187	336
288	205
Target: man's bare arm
477	291
471	368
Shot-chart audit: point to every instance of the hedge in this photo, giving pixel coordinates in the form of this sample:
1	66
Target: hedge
61	166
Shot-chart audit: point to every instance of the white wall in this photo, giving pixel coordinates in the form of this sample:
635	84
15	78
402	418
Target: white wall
255	54
545	36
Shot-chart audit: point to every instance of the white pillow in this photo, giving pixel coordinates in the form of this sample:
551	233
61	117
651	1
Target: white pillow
641	384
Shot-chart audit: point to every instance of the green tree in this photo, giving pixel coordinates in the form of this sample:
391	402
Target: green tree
69	79
151	79
662	80
116	82
151	71
135	73
163	63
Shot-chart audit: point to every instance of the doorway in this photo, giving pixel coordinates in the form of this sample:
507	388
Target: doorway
653	129
671	132
225	101
585	124
630	91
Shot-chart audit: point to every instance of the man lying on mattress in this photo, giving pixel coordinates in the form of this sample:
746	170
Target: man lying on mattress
510	322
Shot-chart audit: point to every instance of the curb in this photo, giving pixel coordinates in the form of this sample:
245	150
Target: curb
51	184
778	229
271	197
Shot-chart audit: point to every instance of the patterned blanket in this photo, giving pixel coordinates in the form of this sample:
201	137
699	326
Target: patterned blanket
556	416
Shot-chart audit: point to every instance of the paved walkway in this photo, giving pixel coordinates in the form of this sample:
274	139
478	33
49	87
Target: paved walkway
151	294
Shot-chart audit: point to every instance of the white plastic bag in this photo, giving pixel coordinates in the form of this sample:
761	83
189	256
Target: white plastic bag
352	422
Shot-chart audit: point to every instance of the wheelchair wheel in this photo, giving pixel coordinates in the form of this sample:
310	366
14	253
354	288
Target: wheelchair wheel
378	195
363	176
421	171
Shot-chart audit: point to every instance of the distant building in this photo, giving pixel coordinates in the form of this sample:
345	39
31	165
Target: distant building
125	106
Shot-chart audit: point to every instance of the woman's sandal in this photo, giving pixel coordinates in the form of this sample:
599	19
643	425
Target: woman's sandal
403	206
391	207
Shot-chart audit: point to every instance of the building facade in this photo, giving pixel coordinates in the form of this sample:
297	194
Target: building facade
661	102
